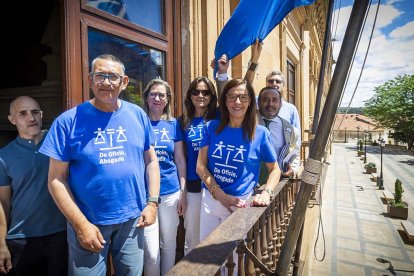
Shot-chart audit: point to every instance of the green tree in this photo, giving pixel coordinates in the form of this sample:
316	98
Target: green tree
351	110
393	107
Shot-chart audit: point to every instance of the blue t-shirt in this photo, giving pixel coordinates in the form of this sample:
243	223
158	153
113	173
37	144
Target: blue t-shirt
105	151
168	133
33	211
233	161
192	137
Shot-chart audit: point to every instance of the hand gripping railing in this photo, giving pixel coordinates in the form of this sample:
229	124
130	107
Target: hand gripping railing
256	233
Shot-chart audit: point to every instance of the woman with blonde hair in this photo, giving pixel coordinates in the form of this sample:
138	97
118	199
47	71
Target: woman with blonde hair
169	148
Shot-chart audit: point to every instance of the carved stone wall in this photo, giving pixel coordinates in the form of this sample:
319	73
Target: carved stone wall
298	37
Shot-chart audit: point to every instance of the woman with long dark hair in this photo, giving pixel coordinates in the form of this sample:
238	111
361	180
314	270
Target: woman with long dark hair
200	107
230	155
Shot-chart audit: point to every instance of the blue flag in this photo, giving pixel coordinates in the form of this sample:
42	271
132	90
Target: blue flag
252	19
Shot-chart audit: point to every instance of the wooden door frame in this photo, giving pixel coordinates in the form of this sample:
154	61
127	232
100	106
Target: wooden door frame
75	22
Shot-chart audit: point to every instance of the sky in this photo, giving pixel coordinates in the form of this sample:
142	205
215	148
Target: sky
392	47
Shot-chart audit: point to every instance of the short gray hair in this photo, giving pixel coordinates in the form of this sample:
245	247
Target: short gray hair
276	73
108	57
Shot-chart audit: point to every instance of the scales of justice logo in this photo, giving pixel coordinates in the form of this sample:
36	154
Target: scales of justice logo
161	144
227	156
228	153
163	139
111	145
196	131
195	135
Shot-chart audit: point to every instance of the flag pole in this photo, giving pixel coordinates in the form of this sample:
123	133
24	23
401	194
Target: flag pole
317	149
326	48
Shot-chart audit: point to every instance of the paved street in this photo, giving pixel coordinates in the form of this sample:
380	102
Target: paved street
360	237
396	164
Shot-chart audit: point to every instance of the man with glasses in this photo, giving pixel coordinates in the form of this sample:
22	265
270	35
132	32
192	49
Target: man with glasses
36	235
102	167
282	134
287	111
274	79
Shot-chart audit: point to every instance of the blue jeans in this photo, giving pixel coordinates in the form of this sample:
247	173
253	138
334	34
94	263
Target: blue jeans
126	242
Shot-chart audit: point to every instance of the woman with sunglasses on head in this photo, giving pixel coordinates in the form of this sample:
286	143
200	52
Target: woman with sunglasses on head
230	155
169	147
200	105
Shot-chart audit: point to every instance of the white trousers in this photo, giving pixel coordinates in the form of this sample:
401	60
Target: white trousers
160	244
192	221
152	256
212	214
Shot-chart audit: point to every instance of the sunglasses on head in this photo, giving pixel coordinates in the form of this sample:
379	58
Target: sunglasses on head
205	93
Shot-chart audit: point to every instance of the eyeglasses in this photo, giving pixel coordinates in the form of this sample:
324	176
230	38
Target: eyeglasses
161	96
197	92
242	97
275	81
114	79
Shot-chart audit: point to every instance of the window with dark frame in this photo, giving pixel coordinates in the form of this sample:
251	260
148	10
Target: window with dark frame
145	13
291	82
142	63
138	33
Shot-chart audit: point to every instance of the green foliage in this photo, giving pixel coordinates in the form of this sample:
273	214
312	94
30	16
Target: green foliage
401	204
351	110
397	136
136	99
129	96
393	107
371	165
398	194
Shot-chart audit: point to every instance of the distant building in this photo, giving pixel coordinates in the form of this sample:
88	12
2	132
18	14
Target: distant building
354	126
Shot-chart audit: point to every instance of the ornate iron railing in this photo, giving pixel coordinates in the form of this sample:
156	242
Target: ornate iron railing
256	233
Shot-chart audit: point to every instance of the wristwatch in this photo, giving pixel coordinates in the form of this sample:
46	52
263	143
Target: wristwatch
270	192
154	199
252	66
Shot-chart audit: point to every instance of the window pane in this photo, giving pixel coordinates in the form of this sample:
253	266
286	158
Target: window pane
145	13
291	82
142	63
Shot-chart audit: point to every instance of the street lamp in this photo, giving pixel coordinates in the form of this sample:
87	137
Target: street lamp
381	180
345	135
365	145
357	138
